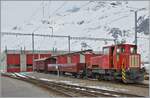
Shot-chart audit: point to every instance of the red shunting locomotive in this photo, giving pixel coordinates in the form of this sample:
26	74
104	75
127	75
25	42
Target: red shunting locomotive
118	62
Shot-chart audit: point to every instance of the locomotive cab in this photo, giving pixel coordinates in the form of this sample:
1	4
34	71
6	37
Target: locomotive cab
120	56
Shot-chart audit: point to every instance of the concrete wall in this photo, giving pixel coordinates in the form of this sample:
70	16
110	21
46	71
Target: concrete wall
23	65
3	60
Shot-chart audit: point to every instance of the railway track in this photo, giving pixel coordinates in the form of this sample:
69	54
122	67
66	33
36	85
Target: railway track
70	90
114	82
141	85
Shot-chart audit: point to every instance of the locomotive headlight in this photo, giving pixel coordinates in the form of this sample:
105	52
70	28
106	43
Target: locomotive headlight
118	50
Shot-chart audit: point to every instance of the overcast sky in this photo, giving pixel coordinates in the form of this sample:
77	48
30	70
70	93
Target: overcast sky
17	13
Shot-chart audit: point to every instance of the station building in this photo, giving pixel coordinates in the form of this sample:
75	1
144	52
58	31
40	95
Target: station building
20	61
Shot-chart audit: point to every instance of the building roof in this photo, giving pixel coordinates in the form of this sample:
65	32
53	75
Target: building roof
120	45
77	52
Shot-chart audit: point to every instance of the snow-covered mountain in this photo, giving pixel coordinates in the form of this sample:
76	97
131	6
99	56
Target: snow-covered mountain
100	19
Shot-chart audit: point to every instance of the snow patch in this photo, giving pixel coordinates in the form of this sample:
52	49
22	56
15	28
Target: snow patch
17	74
44	79
69	82
107	88
13	74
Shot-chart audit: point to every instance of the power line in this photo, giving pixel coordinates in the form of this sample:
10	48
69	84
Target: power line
89	38
143	37
58	36
54	12
34	13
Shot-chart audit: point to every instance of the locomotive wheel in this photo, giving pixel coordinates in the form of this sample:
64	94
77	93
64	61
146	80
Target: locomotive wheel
101	77
124	81
79	76
97	76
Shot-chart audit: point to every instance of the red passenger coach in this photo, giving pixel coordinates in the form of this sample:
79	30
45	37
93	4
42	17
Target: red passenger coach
75	58
62	59
73	63
72	68
13	62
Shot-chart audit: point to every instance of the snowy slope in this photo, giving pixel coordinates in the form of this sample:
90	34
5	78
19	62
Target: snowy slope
83	18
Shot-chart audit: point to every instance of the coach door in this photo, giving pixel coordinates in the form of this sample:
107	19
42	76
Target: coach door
111	56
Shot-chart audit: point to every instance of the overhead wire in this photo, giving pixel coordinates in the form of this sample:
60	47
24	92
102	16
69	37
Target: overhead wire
55	11
35	12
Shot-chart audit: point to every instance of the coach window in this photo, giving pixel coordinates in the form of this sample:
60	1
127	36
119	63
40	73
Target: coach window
106	50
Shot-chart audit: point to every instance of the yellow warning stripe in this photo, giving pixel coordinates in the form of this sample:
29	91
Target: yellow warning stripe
123	72
123	77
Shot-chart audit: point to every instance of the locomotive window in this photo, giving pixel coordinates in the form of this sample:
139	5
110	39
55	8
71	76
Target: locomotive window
132	50
122	50
106	50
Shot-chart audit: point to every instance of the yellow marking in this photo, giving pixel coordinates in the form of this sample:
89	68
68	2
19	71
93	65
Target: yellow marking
123	69
123	74
124	78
